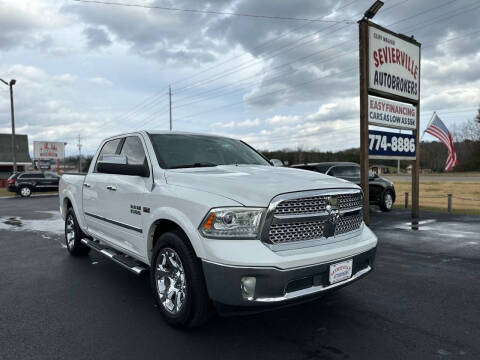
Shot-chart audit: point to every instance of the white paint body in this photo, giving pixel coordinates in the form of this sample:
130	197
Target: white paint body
185	196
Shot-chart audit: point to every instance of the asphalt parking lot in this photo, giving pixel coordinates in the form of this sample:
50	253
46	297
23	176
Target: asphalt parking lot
421	302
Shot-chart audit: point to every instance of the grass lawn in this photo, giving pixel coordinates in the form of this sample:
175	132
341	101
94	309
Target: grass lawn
433	196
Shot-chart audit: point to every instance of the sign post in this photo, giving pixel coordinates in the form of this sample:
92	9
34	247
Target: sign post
363	38
390	98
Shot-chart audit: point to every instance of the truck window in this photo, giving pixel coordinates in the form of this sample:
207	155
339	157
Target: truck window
178	150
350	171
133	149
322	168
109	148
31	176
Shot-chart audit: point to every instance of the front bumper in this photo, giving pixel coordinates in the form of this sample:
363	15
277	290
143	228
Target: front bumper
275	286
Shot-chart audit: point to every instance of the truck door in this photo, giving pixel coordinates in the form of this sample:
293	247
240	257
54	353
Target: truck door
127	198
97	207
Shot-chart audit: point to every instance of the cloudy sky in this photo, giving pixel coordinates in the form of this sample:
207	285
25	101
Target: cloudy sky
97	70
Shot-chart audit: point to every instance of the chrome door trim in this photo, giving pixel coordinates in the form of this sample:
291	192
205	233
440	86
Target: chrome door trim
114	222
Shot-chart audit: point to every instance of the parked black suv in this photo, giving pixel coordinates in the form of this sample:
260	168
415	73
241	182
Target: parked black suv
382	192
24	183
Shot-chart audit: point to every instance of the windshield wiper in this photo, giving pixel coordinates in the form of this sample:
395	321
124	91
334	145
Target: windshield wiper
194	165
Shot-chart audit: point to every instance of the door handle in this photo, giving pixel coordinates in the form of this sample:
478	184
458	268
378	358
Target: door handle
111	187
87	185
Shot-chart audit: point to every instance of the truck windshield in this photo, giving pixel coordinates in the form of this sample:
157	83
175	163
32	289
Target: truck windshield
176	151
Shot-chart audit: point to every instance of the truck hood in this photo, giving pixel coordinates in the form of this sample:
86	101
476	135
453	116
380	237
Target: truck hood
252	185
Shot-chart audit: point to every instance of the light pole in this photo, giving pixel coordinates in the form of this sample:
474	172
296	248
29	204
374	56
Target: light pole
10	84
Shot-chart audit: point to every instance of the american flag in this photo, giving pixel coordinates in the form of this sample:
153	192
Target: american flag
437	128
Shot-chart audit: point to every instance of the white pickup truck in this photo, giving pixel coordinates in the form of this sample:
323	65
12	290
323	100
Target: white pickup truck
216	224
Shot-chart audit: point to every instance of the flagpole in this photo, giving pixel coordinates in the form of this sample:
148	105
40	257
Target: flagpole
431	119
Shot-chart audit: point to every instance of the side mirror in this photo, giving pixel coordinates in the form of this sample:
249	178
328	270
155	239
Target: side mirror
276	162
118	164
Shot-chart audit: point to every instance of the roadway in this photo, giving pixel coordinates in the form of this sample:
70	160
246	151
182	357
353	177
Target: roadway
421	301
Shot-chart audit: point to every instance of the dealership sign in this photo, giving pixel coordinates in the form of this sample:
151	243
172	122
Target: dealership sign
392	114
394	65
387	145
48	150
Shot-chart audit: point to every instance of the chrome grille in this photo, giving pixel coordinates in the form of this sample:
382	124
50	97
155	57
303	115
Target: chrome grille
350	201
348	223
303	218
316	204
307	205
297	231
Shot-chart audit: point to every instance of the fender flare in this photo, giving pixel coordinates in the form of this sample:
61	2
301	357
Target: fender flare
67	196
176	217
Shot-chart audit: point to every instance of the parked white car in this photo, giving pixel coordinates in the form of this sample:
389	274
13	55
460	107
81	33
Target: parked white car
215	223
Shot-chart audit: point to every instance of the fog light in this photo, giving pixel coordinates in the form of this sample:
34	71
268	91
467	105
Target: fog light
248	287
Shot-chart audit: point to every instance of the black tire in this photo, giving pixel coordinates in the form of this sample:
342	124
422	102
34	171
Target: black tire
196	308
386	203
74	245
25	191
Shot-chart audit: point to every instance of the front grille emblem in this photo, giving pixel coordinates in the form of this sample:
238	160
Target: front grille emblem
333	216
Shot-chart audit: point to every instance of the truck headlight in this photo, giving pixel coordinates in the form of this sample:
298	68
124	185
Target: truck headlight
232	223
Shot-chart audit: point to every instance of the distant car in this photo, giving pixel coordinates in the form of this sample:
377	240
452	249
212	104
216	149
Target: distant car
24	183
382	191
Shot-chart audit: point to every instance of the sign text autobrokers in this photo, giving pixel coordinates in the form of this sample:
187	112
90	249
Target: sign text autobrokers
394	64
393	114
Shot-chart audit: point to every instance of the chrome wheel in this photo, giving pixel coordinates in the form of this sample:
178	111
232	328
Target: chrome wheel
388	200
25	191
70	231
170	280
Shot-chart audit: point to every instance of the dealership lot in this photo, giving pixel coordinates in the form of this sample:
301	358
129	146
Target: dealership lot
422	300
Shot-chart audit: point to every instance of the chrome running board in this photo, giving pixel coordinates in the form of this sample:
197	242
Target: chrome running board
123	260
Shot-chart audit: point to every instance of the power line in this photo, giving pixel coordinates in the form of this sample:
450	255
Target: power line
273	92
210	12
250	63
405	19
326	49
223	74
447	15
263	44
257	47
284	34
281	74
287	47
135	111
268	94
424	12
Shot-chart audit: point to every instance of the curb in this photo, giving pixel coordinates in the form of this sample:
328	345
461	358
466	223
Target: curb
19	197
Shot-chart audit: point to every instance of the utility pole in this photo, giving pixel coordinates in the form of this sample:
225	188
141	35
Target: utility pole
79	154
14	158
170	104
